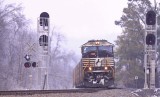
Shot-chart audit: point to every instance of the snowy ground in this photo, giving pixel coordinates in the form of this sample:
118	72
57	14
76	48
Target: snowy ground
101	93
147	92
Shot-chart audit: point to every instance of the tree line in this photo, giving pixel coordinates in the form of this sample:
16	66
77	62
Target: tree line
130	44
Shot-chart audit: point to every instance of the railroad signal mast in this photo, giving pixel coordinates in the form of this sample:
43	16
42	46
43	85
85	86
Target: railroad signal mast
43	30
150	49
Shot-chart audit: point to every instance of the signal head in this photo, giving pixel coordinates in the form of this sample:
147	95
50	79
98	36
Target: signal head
43	40
150	39
151	17
27	64
34	64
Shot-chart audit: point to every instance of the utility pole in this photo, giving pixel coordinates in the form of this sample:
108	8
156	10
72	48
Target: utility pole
150	49
43	32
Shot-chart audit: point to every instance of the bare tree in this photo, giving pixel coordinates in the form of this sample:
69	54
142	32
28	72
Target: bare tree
13	26
60	75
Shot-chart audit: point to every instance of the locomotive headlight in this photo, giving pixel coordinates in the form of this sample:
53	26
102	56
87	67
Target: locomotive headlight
97	43
90	68
105	68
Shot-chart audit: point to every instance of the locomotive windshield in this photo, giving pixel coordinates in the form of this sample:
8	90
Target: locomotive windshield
89	49
97	51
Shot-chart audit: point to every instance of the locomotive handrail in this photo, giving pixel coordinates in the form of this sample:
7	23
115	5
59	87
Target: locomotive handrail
113	72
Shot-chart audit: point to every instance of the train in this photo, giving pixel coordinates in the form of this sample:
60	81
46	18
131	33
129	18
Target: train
96	67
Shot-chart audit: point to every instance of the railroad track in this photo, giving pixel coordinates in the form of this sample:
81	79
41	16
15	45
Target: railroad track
32	92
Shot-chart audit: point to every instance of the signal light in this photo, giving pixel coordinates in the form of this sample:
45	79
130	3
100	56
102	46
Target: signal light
43	40
27	57
27	64
151	18
44	19
150	39
34	64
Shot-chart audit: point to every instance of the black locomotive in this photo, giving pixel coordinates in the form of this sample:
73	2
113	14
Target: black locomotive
97	66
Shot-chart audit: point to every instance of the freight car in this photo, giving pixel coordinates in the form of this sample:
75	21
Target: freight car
97	66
